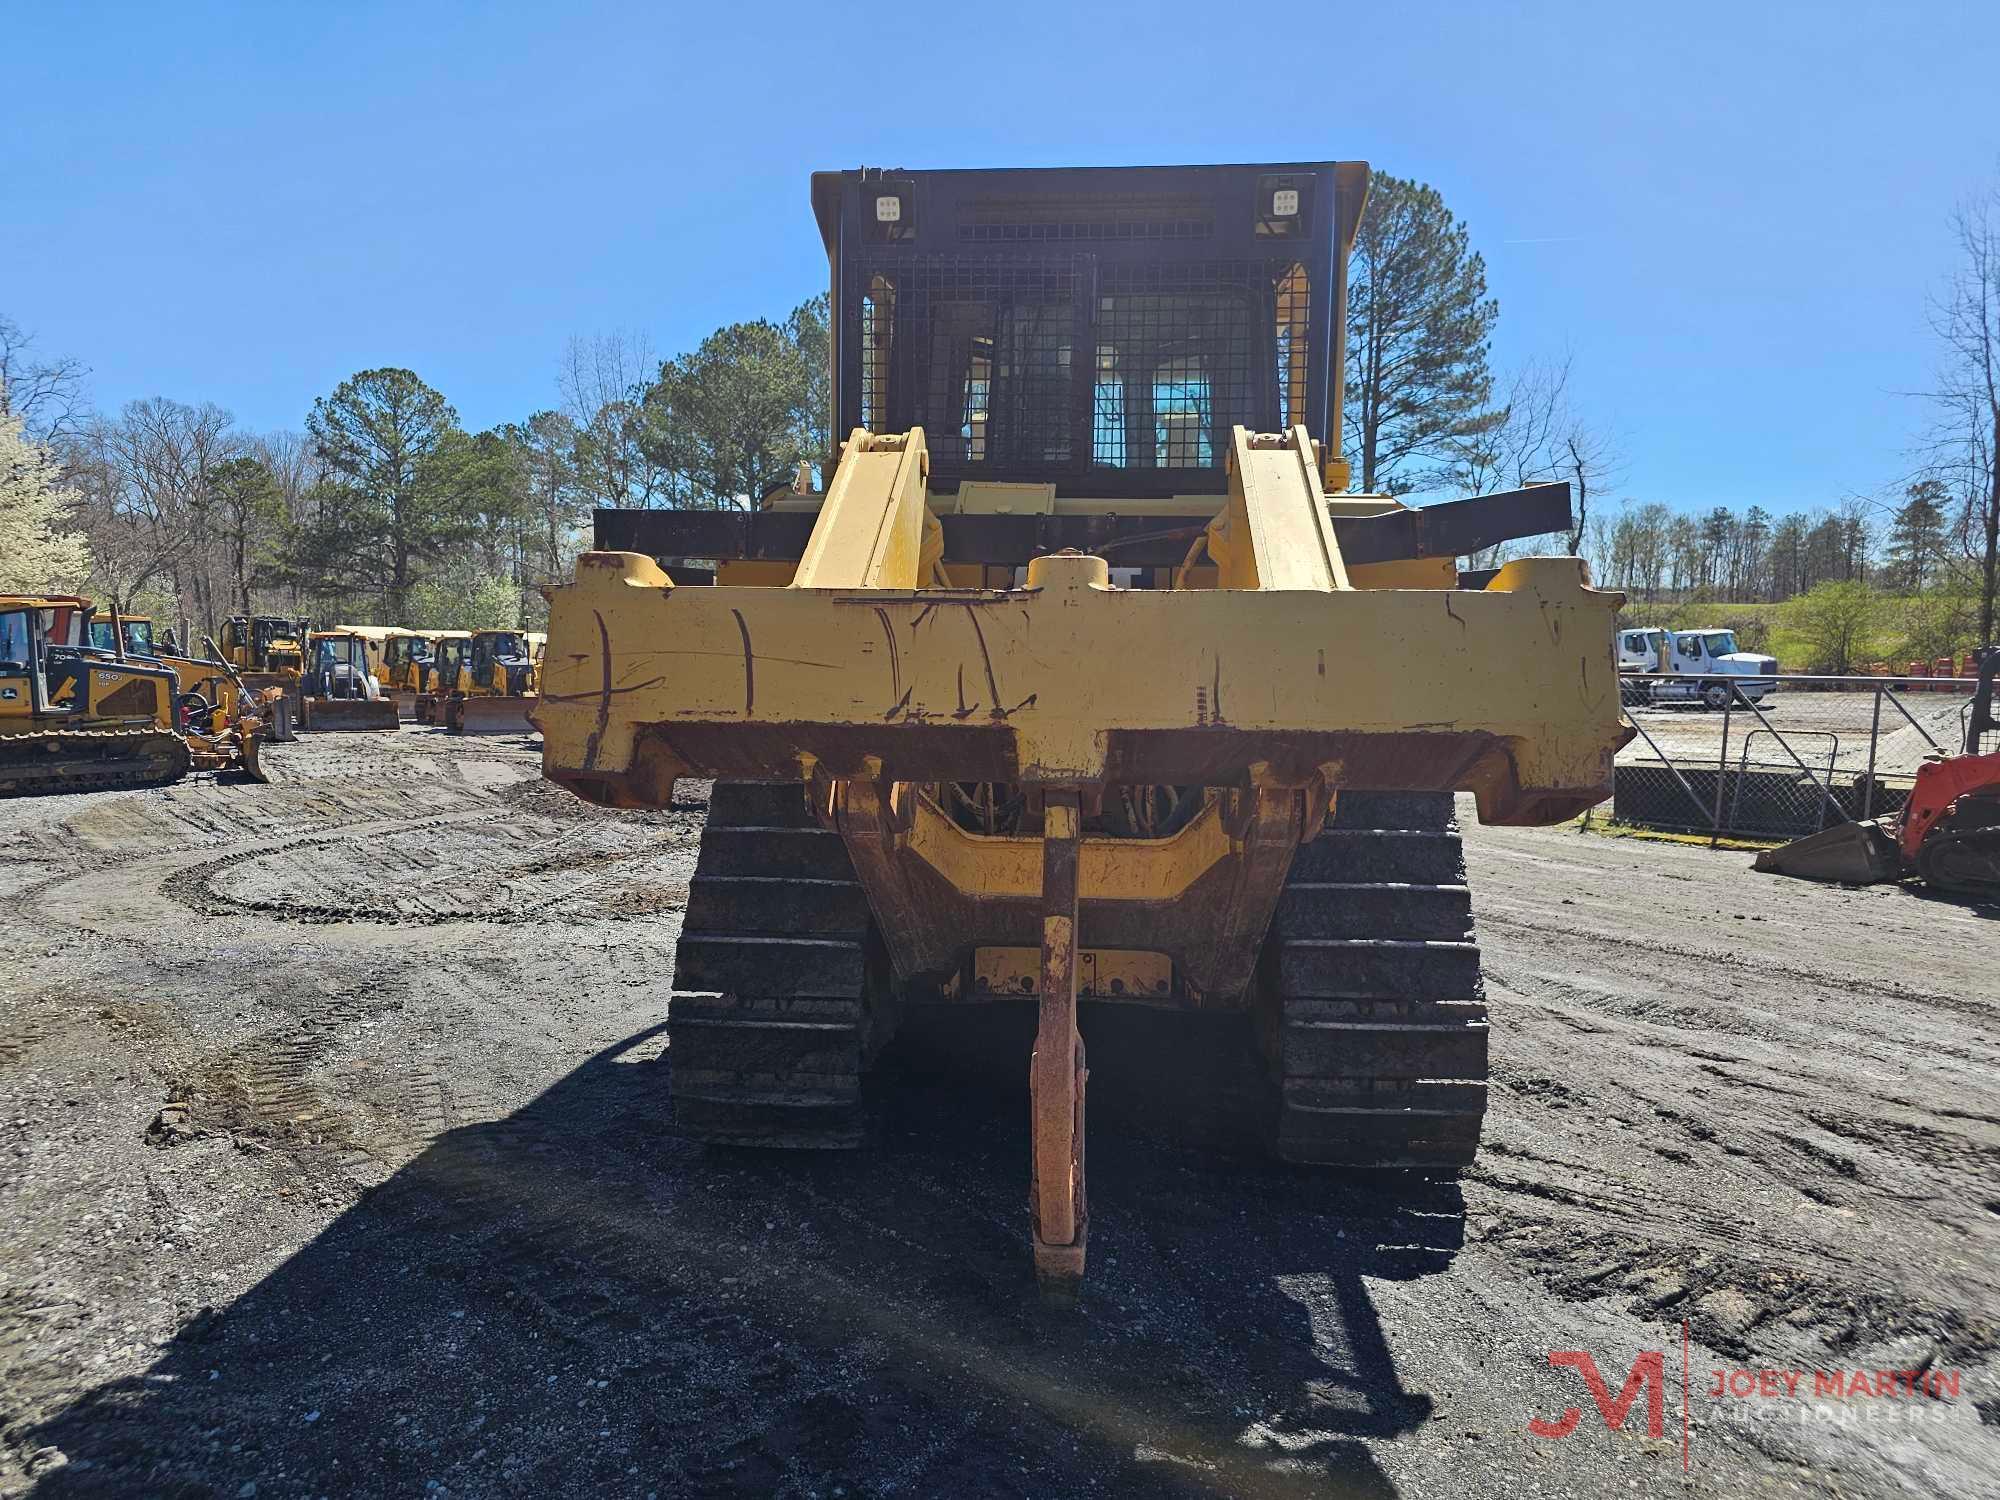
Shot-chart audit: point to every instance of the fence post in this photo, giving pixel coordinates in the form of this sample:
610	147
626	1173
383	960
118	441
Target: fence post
1874	738
1722	770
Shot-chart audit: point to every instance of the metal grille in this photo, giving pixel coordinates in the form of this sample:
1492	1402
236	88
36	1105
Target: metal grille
982	353
977	352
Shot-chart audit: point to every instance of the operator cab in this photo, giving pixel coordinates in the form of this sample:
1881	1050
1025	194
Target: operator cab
138	636
1101	329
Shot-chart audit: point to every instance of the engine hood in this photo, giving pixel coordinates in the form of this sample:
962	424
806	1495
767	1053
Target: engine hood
1748	664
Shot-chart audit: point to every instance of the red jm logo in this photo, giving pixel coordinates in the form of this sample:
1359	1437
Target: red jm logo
1648	1371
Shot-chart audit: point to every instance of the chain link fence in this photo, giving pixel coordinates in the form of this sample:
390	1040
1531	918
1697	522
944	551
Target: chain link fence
1779	757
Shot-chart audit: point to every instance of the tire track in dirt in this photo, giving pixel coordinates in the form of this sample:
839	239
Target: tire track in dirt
1759	1139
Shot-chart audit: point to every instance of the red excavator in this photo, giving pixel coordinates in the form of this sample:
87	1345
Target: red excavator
1947	833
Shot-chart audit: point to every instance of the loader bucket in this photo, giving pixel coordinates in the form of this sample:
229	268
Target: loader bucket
349	713
1850	854
489	716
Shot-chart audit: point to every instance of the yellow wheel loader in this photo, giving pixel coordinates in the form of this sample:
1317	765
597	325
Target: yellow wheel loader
1084	682
72	719
339	688
488	685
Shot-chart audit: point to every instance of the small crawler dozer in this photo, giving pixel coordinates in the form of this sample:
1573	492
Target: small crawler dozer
1083	680
339	687
405	657
485	684
73	718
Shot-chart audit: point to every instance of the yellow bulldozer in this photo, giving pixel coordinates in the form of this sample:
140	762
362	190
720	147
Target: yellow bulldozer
76	716
209	696
405	658
1085	680
268	651
338	688
482	682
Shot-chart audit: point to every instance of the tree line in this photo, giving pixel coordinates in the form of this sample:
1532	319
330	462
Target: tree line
383	506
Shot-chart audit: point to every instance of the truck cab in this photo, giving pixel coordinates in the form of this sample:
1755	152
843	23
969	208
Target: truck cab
1687	666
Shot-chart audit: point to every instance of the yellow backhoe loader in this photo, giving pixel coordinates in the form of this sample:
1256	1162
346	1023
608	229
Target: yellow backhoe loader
485	684
339	687
1084	680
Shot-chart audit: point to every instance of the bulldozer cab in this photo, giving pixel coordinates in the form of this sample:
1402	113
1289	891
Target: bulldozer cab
401	648
138	632
448	661
1101	329
46	668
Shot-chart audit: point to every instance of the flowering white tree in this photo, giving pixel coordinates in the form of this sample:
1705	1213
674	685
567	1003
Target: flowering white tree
37	550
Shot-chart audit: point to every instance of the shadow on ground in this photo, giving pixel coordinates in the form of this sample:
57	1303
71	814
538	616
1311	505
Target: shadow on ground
570	1301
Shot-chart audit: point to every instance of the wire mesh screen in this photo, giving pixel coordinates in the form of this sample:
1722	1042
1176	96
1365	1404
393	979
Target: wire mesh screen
1091	216
1064	363
1786	757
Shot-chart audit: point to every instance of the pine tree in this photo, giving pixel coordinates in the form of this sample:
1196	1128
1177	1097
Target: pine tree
1418	320
1917	535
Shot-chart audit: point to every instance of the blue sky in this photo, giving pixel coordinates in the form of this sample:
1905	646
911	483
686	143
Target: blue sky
1729	216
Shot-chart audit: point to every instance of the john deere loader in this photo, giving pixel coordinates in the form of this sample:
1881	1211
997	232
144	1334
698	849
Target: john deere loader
1085	679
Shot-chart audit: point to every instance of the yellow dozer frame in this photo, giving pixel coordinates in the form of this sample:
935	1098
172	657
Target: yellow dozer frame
979	736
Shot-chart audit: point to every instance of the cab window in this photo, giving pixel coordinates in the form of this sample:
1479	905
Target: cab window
14	639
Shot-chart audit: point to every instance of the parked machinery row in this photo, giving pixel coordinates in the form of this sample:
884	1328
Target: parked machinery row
372	676
467	681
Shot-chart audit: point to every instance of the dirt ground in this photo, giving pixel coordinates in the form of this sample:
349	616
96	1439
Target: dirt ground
333	1161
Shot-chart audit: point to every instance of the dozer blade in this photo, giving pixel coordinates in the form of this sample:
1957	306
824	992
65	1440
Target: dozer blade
350	713
492	716
1851	854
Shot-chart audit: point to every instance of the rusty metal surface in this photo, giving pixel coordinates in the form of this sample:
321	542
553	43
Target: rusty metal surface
1515	697
1209	926
1057	1073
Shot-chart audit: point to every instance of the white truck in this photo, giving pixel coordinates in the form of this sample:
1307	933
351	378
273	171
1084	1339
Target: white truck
1691	666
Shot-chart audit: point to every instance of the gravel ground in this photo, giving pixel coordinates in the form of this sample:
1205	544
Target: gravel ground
332	1162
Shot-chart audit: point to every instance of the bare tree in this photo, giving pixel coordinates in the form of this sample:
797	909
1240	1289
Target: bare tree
1537	438
602	381
46	394
1966	448
148	500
